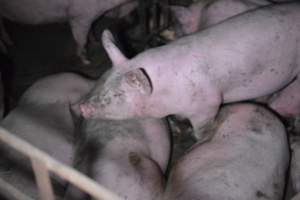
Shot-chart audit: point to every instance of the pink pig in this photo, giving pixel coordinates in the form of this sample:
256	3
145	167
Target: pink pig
205	13
79	14
247	159
245	57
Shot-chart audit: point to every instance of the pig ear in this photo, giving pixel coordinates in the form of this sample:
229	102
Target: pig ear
112	50
140	80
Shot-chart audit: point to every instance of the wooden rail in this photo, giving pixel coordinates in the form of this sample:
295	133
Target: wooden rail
42	164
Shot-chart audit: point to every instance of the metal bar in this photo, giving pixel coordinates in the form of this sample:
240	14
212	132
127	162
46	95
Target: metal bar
81	181
43	181
10	192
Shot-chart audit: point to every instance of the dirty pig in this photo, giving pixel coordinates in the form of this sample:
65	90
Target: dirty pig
244	57
202	14
118	154
247	159
80	15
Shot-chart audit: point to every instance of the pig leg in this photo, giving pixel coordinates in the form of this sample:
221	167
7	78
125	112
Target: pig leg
80	29
287	102
202	122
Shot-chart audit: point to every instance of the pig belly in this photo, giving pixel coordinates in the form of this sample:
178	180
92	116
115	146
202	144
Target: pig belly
247	159
34	11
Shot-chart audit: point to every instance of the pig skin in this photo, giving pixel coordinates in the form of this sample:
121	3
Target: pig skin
246	159
129	157
287	102
245	57
297	197
295	163
79	14
205	13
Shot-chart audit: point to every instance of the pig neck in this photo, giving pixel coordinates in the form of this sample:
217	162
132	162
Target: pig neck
178	76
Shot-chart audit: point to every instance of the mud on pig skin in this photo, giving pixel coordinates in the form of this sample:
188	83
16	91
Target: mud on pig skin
128	157
246	159
205	13
42	118
80	14
192	76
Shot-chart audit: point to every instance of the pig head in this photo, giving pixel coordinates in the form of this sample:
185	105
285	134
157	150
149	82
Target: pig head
121	93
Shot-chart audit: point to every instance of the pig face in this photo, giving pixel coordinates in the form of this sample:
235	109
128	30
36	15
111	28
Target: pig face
121	92
120	96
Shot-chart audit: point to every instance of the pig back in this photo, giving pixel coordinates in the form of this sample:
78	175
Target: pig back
246	159
35	11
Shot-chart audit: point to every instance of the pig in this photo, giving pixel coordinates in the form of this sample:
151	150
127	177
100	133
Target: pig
129	157
287	102
192	76
42	112
42	118
295	164
79	14
246	159
204	13
297	197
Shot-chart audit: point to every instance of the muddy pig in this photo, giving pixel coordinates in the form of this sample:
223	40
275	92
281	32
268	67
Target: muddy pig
192	76
205	13
42	118
79	14
128	157
287	102
246	159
